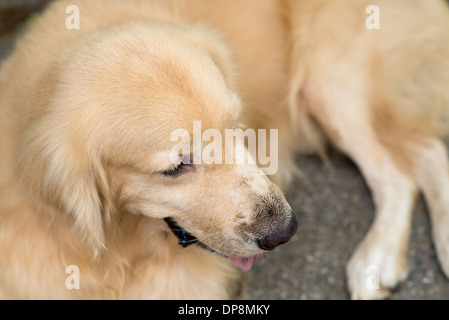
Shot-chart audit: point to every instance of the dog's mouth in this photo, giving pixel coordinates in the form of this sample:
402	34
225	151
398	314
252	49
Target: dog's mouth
186	239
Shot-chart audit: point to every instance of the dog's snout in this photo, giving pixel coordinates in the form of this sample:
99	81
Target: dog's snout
279	236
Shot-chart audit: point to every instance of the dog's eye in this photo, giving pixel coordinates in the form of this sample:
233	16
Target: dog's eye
178	170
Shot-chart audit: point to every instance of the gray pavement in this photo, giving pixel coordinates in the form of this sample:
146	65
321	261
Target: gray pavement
334	212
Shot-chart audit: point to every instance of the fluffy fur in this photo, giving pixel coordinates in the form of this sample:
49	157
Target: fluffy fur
86	116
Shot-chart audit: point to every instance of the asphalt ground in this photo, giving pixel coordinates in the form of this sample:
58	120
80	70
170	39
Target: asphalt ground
334	211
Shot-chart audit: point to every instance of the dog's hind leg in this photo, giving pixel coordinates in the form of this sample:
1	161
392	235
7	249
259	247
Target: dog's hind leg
431	169
379	262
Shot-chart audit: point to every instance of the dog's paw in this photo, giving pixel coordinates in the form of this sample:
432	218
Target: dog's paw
441	242
373	271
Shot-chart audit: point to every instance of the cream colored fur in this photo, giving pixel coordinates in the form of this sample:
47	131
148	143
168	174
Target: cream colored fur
85	117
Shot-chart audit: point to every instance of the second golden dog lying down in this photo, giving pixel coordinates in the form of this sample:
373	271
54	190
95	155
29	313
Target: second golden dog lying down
87	171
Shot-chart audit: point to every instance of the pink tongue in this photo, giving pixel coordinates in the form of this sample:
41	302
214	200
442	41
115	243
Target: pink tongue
245	263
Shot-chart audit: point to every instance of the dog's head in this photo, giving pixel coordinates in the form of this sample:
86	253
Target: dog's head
106	142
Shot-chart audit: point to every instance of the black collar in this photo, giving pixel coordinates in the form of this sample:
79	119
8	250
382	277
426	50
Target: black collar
185	239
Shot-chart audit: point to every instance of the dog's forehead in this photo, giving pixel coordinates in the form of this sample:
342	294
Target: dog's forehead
193	90
139	92
175	88
180	97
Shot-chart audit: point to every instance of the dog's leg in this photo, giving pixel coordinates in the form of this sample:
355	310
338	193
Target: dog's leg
432	175
379	262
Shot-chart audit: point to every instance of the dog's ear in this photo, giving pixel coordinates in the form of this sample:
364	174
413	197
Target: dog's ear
57	172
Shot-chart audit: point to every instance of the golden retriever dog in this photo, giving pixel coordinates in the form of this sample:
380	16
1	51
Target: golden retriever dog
96	201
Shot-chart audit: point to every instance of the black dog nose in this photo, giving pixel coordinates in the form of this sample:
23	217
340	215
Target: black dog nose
278	237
